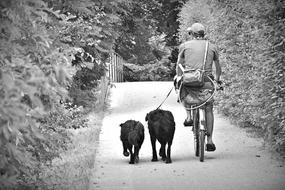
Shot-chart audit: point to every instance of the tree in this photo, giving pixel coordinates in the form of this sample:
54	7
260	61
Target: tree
149	33
136	30
39	41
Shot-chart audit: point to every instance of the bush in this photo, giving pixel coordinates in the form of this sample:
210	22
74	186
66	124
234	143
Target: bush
163	70
39	41
251	47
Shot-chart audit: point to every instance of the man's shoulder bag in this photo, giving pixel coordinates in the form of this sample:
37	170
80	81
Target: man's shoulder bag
195	77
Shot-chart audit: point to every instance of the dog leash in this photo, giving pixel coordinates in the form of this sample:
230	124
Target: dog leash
165	98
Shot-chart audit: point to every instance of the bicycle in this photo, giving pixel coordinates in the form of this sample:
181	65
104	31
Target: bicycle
199	129
199	132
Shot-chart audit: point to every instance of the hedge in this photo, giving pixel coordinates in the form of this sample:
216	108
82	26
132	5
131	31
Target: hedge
251	39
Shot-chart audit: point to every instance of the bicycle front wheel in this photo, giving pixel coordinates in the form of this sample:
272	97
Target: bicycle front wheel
202	145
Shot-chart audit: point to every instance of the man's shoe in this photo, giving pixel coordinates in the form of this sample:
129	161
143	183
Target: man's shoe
210	147
188	123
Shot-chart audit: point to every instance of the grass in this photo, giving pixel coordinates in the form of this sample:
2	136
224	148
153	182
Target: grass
73	169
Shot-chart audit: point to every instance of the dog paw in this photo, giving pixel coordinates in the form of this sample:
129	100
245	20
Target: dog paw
161	152
137	160
154	160
126	154
168	161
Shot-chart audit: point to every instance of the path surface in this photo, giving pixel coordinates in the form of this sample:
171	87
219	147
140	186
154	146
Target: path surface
239	163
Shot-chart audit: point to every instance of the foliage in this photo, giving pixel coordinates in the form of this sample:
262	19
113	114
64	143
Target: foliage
143	23
39	41
84	81
167	20
136	29
27	68
193	11
168	24
91	28
148	36
161	71
252	56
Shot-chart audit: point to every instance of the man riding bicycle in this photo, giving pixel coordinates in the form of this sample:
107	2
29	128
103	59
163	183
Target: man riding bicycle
192	55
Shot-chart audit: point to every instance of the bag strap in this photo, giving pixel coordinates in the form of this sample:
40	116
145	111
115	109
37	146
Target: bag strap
205	56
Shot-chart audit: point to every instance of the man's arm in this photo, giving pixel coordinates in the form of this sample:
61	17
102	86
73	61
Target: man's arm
217	64
218	69
180	60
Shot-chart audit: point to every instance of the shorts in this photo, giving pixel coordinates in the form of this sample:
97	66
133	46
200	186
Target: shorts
195	96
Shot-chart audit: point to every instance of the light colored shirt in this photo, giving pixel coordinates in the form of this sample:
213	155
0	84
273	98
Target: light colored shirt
192	53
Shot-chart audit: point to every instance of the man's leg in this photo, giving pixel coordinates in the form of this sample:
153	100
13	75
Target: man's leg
188	112
188	121
209	116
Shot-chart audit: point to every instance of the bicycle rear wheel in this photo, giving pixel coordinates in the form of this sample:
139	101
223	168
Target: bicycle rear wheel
196	132
196	144
202	145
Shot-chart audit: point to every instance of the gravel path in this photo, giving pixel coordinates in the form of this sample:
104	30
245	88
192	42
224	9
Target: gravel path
239	163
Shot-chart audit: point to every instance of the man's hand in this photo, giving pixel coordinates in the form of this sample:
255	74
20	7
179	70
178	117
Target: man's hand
219	82
220	85
177	81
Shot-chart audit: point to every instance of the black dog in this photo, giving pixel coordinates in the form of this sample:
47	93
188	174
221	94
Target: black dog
132	134
161	126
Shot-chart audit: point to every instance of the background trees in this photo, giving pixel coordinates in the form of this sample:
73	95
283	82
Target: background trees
149	37
145	22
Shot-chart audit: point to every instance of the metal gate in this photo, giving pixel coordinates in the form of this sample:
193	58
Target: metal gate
115	68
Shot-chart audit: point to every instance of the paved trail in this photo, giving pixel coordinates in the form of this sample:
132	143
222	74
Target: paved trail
239	163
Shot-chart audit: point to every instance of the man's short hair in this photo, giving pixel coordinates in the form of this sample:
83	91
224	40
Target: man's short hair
198	34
